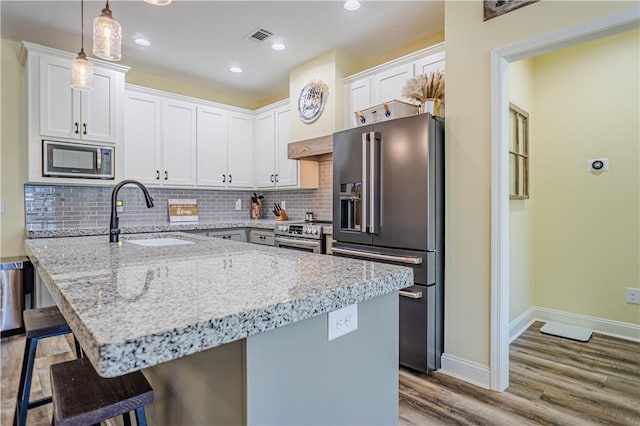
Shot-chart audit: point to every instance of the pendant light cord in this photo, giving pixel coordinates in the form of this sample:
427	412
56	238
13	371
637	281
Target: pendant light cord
82	25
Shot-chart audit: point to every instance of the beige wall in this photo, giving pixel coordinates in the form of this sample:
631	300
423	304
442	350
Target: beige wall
588	224
12	161
521	224
468	153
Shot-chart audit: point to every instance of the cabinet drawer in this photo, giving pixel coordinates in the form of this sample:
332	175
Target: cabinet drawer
229	234
261	237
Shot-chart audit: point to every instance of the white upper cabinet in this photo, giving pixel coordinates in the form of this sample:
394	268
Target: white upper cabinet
179	143
212	147
240	151
68	113
142	138
385	82
274	169
388	84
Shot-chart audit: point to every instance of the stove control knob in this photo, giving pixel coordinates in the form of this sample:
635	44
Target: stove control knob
314	231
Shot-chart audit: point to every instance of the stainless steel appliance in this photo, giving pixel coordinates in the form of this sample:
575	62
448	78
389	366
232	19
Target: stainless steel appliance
78	160
388	206
302	236
16	279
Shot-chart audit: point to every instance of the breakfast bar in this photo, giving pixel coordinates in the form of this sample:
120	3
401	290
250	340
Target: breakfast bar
229	332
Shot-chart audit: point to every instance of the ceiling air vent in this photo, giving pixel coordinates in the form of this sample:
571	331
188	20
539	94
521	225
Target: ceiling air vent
259	35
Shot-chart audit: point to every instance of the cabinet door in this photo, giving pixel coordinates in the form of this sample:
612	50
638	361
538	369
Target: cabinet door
431	63
99	108
212	147
265	150
360	97
388	84
59	103
287	170
178	143
240	151
142	143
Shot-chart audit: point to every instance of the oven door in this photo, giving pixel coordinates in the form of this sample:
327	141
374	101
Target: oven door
301	244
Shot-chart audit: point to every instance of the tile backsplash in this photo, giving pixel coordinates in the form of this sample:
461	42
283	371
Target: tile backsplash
54	206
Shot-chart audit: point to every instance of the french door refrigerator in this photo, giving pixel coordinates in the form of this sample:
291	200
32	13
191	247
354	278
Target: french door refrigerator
388	206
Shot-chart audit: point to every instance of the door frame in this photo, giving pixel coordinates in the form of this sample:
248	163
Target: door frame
500	58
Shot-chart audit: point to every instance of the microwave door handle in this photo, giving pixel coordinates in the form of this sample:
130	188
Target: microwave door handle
98	160
364	186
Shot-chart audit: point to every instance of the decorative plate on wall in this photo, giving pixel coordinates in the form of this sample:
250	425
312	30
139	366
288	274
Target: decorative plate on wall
311	101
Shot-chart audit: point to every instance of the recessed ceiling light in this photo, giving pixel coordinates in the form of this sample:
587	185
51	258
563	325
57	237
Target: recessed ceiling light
158	2
278	46
235	70
141	41
351	5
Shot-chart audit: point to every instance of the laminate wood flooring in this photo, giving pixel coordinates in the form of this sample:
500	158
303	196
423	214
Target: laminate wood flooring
553	381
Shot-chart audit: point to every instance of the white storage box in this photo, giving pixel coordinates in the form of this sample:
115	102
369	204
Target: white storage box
385	111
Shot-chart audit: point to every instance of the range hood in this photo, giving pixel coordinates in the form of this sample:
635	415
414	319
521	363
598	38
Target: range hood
314	149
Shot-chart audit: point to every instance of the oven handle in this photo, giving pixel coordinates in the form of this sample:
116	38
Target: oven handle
297	243
379	256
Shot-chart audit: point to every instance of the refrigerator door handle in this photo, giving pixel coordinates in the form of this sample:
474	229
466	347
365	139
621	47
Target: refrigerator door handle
379	256
364	187
410	294
372	183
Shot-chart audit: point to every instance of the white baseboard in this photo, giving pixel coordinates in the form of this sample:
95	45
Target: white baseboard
468	371
619	329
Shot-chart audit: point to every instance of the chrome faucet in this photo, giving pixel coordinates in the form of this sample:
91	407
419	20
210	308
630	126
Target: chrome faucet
114	230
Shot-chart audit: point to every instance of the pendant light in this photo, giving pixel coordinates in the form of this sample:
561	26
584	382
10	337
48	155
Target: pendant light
81	68
107	36
158	2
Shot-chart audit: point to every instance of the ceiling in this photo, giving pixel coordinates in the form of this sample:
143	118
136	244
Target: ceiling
199	40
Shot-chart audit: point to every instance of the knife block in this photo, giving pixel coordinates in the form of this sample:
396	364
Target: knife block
282	215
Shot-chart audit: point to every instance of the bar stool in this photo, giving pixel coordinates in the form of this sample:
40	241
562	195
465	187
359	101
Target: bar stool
81	397
38	324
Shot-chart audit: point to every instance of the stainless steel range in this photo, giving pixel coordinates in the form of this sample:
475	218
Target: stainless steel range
304	236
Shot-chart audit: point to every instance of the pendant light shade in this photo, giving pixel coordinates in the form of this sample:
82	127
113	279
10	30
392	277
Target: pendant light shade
107	36
158	2
82	73
81	68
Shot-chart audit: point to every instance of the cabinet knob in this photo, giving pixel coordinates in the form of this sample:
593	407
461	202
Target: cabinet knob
84	128
166	175
77	130
157	174
224	178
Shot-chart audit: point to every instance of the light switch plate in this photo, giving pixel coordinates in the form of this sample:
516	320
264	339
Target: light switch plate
283	204
239	204
343	321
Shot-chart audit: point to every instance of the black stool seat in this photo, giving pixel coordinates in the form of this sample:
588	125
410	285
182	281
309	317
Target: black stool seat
44	322
82	397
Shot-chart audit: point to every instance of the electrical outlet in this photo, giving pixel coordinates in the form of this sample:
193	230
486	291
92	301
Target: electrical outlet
283	204
633	295
239	204
343	321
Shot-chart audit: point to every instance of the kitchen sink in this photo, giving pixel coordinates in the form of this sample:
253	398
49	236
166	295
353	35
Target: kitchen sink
159	242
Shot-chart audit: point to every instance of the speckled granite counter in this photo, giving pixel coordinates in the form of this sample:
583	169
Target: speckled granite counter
133	307
57	232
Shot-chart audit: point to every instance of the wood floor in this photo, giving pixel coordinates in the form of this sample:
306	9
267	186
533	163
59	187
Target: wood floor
553	381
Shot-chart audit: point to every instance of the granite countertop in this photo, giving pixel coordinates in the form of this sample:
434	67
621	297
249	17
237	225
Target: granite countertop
133	307
38	231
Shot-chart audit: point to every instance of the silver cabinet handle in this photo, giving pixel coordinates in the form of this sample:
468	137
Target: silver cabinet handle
410	294
363	187
379	256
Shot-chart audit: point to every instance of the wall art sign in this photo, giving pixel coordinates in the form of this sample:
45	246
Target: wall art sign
185	210
494	8
312	99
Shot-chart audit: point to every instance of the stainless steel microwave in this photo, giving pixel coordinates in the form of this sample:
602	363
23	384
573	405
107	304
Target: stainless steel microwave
77	160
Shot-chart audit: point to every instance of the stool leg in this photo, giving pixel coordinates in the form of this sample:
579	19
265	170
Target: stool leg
141	419
126	419
24	390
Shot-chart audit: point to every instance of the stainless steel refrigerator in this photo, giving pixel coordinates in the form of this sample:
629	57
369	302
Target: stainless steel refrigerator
388	206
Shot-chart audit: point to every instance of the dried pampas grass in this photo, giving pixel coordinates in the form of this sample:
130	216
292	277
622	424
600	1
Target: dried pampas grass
425	86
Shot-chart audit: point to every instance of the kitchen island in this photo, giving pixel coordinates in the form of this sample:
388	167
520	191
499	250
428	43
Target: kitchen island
229	332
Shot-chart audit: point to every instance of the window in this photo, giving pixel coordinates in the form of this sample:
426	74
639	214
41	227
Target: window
518	153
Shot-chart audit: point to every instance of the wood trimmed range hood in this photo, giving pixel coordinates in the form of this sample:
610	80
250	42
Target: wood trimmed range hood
314	149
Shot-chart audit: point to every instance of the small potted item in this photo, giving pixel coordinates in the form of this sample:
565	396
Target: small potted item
256	201
428	90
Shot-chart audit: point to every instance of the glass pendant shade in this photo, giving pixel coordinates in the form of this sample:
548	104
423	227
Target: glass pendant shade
82	73
107	36
158	2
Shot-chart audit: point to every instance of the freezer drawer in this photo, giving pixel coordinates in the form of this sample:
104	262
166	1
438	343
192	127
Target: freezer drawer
417	329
